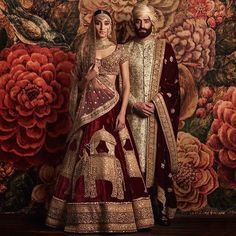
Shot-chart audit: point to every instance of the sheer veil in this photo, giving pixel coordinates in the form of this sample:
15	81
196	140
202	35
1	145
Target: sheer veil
100	95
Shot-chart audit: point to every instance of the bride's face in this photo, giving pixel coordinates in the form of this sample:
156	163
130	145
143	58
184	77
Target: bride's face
103	26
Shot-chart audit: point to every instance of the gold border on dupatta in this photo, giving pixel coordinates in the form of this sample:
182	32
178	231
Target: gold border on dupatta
152	122
167	129
99	112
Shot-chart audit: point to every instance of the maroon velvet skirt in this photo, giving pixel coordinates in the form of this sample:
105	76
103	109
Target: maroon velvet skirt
100	187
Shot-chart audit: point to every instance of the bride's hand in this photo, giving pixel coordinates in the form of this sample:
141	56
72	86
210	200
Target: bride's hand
92	72
120	122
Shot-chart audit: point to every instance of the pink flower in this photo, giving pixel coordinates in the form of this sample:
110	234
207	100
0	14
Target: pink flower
223	137
202	101
211	22
209	107
207	92
201	112
201	8
217	16
219	19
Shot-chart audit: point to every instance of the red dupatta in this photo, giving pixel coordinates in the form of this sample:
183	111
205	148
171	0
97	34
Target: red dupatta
99	95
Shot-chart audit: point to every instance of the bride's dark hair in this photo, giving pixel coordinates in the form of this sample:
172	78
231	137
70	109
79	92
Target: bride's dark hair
102	12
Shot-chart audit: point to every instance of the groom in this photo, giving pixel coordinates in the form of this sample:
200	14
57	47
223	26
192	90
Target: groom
154	109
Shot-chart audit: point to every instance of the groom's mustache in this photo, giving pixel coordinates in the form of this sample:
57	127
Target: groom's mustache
142	29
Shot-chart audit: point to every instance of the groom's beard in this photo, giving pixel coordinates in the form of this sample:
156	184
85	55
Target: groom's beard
142	32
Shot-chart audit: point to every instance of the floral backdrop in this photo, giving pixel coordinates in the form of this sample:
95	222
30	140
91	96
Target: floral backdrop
37	54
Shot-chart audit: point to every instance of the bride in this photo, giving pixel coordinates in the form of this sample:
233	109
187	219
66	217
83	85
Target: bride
100	187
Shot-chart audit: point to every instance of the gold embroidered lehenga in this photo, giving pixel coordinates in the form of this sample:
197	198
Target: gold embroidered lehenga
100	187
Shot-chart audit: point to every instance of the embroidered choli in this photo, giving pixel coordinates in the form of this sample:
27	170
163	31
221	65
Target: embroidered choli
110	65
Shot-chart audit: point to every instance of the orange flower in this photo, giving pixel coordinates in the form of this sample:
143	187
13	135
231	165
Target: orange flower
223	137
196	177
34	92
39	193
47	173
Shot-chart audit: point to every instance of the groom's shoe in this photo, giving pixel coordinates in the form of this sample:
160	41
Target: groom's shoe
163	220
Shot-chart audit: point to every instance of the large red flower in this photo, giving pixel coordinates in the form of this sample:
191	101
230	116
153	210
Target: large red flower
34	92
223	137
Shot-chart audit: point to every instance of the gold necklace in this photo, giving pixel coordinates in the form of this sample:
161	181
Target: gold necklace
103	44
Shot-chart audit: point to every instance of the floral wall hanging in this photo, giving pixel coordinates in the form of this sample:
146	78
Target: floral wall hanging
37	54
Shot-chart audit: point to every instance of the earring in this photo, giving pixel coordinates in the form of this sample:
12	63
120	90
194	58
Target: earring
109	33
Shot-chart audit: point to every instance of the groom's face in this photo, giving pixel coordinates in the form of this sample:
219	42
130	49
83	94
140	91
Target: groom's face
143	26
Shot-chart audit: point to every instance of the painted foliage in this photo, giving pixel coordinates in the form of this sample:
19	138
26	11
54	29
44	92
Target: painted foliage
37	54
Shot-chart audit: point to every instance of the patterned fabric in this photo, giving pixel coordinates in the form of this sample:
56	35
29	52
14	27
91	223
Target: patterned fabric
100	187
155	78
110	65
141	64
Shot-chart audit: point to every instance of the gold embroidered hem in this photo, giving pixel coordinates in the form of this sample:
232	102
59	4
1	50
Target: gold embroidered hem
143	212
95	191
92	217
55	217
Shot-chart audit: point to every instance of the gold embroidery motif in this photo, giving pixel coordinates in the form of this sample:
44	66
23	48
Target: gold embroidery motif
158	55
140	78
100	166
110	64
101	216
151	151
132	164
130	158
102	135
